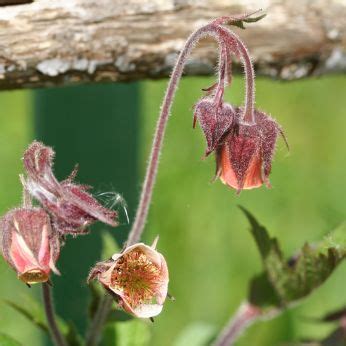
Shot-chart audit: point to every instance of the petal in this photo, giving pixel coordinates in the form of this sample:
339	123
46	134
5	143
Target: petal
148	310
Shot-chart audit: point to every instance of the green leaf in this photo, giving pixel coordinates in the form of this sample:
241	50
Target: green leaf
284	282
196	334
31	310
135	332
6	340
34	312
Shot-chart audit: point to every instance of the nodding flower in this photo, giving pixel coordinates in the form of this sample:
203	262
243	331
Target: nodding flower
245	155
243	138
29	244
71	207
137	278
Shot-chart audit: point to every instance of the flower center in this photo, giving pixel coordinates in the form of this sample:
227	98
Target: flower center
137	277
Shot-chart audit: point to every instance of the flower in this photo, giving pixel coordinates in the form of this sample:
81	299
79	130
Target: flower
29	244
244	157
137	278
215	120
71	207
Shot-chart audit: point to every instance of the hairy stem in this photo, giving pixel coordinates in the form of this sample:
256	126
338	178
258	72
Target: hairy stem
151	172
57	337
99	320
224	37
249	103
244	317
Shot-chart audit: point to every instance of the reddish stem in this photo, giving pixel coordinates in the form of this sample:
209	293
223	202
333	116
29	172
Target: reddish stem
57	337
143	207
220	33
244	317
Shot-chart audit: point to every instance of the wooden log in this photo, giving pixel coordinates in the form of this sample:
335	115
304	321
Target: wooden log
49	43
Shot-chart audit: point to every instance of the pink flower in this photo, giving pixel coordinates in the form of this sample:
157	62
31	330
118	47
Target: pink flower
137	278
245	155
72	208
29	244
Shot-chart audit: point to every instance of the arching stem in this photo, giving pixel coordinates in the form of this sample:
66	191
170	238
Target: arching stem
235	44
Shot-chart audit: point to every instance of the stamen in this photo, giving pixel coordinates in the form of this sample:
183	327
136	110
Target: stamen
137	277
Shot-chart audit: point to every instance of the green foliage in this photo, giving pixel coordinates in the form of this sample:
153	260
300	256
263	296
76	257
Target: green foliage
31	310
196	334
335	338
284	282
6	340
34	312
135	332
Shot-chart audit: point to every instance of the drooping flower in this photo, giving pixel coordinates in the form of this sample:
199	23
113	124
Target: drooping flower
245	155
29	244
215	120
71	207
137	278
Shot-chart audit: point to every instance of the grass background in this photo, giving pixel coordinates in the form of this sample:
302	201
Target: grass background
202	232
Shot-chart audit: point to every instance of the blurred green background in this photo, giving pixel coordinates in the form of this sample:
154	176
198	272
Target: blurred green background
203	234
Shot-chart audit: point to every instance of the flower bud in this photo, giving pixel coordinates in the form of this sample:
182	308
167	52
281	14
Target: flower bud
215	120
72	208
29	244
137	278
244	158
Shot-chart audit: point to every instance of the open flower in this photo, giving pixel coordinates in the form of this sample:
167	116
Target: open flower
244	157
72	208
29	244
137	278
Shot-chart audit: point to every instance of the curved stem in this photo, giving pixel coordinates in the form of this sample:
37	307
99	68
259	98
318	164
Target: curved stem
57	337
211	30
220	34
249	104
98	322
244	317
150	177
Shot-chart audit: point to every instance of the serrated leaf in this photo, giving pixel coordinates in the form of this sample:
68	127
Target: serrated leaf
135	332
284	282
196	334
6	340
336	338
335	315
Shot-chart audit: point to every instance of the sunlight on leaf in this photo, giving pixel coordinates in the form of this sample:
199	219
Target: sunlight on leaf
286	281
6	340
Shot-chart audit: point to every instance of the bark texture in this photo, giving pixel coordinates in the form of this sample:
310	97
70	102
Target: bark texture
47	43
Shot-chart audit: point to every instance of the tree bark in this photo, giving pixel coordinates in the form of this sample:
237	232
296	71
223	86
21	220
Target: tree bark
48	43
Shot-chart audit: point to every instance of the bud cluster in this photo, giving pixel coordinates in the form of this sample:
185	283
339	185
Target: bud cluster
30	237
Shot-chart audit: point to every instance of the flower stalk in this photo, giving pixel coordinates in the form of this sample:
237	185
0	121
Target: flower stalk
57	337
228	43
244	317
225	38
